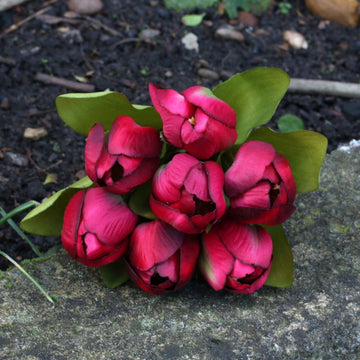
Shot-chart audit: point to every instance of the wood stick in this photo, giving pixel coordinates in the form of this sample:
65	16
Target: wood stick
324	87
73	85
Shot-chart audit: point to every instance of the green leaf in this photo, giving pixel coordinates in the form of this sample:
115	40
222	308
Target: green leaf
114	274
82	111
139	201
253	6
282	272
305	151
189	4
254	95
47	218
288	123
192	19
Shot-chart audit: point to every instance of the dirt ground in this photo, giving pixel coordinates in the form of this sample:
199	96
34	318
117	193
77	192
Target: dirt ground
107	49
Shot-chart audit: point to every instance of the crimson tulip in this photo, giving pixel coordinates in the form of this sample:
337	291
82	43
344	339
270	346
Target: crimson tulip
195	120
96	228
260	185
160	258
236	257
128	157
188	193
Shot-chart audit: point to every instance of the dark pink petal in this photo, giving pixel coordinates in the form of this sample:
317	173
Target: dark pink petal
168	180
175	218
216	184
189	253
72	220
241	270
104	165
248	167
128	138
248	285
282	166
196	182
186	204
271	174
215	261
170	268
171	101
172	129
271	217
128	164
203	149
249	244
106	216
211	105
188	134
257	197
93	148
153	243
201	221
142	174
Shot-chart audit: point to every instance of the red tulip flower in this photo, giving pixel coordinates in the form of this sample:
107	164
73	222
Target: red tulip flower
236	257
97	225
260	185
160	258
128	157
195	120
188	193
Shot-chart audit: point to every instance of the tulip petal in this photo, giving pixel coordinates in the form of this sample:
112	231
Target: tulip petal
249	244
196	182
186	204
170	268
248	167
153	243
211	105
93	149
175	218
282	166
241	270
189	253
105	215
216	183
104	165
215	261
257	197
72	216
128	138
128	164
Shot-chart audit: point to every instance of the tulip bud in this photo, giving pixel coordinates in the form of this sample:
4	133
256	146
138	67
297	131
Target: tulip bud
195	120
260	185
160	258
96	227
128	157
188	193
236	257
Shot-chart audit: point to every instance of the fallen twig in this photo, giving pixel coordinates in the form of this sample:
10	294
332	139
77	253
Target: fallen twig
14	27
335	88
7	61
69	84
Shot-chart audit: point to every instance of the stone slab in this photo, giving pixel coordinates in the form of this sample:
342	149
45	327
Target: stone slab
317	318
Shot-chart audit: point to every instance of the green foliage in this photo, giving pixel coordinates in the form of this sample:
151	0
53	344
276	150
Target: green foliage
288	123
254	95
139	201
305	151
82	111
284	7
192	19
114	274
189	4
281	273
253	6
47	218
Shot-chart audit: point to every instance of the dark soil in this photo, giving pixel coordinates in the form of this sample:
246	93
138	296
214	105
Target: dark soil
120	63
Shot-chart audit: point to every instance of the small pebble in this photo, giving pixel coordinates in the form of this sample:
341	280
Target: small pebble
208	74
190	41
5	105
85	7
226	33
35	133
17	159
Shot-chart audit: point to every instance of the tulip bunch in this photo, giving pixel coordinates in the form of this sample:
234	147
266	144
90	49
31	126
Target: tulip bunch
203	213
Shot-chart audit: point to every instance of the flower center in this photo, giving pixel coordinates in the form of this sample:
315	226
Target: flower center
192	121
274	192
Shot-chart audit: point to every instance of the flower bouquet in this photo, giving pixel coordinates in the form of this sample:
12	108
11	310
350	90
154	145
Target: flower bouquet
194	182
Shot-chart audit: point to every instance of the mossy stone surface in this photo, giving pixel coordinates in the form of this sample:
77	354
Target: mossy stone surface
317	318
